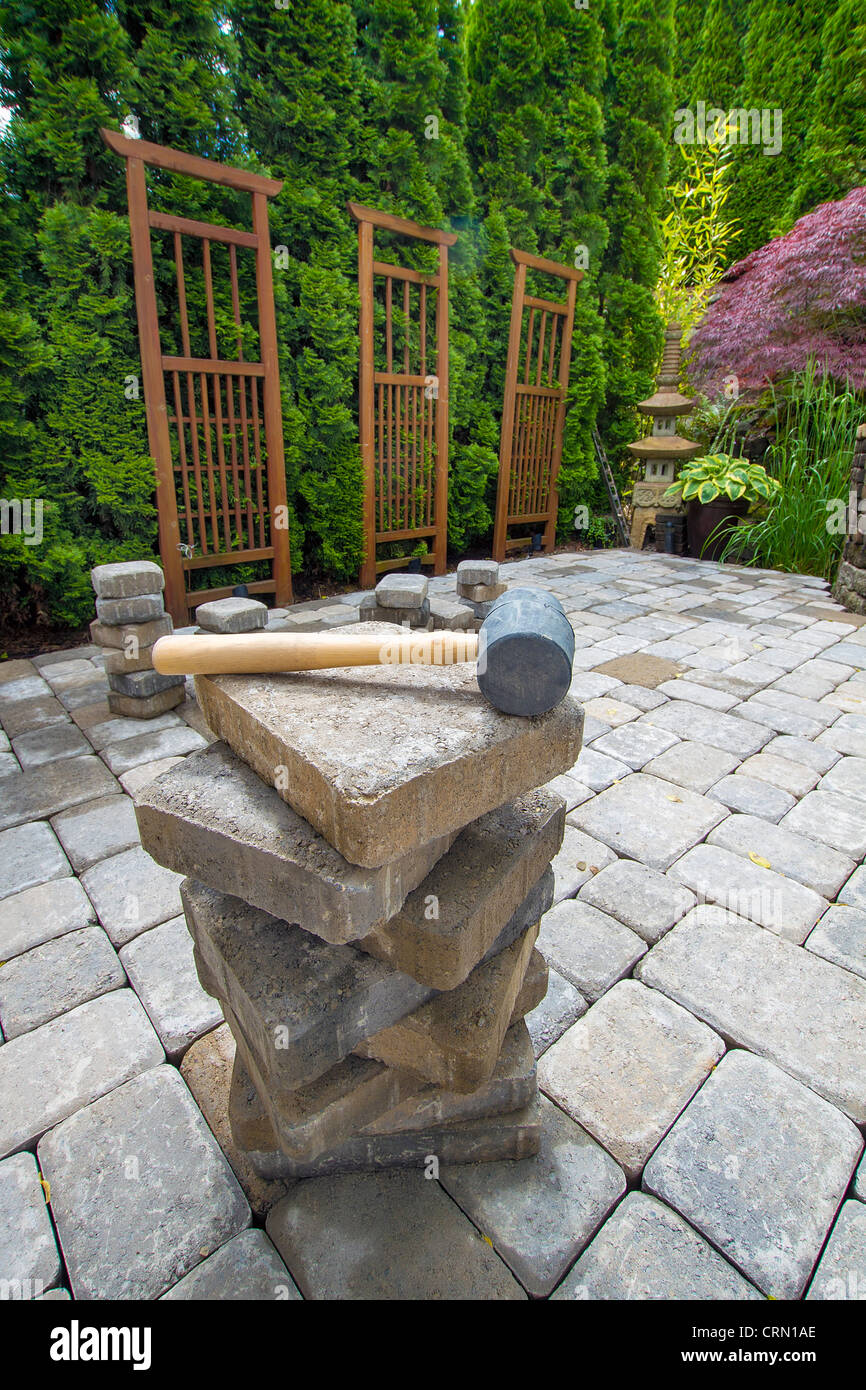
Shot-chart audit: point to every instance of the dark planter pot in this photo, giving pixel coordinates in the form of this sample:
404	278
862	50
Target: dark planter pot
414	566
705	519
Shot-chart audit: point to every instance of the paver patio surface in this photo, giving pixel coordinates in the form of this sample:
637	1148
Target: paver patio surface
700	1051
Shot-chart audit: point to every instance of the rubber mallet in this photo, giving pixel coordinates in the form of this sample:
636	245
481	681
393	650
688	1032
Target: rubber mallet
524	650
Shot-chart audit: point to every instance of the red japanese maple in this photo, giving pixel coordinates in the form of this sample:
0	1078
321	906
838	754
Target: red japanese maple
801	296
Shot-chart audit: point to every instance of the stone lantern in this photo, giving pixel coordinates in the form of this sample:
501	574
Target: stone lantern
663	451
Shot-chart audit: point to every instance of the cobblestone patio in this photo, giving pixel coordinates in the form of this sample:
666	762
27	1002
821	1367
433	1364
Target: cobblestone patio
701	1045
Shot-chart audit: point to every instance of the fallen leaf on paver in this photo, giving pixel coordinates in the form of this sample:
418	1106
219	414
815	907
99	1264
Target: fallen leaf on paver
46	1188
756	859
674	798
580	865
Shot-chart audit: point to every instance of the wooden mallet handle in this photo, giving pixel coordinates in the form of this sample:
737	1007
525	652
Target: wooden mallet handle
254	653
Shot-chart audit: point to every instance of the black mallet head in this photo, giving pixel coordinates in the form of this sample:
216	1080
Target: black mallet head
525	652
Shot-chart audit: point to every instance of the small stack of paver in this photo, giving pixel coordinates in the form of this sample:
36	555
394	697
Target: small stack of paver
478	586
368	858
130	617
399	598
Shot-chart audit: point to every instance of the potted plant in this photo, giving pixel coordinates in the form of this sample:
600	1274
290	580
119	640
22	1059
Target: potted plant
718	491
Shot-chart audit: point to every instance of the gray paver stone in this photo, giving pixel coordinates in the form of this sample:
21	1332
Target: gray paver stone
853	891
47	744
141	685
841	1272
720	730
752	797
770	996
41	914
641	898
780	904
847	777
588	947
577	860
628	1067
141	608
840	936
166	1198
835	820
540	1212
478	572
384	1236
29	1259
781	772
131	893
561	1006
127	579
247	1268
69	1062
30	854
43	791
635	744
401	590
232	615
758	1164
696	766
149	747
646	1251
96	830
786	852
162	972
648	819
56	977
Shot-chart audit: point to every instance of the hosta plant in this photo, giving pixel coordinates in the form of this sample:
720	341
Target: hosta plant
721	475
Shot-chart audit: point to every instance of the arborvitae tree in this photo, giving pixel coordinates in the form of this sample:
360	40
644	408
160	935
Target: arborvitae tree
301	93
535	134
688	23
782	57
65	68
834	159
717	74
413	57
69	69
639	126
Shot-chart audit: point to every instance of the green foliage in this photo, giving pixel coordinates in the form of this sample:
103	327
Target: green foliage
810	459
782	57
704	479
834	159
535	137
639	120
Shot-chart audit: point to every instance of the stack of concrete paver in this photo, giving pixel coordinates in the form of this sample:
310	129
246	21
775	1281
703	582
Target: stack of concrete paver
478	585
368	858
399	598
130	617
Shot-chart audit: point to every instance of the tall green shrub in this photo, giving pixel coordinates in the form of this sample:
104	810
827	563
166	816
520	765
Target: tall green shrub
535	135
834	159
782	57
639	127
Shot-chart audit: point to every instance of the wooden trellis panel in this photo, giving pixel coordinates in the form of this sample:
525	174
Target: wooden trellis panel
403	407
214	425
533	411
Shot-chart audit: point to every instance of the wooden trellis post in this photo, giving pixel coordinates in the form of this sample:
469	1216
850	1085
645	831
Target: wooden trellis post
533	410
403	414
220	469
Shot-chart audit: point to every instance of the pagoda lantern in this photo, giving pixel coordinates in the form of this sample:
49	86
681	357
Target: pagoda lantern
663	450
